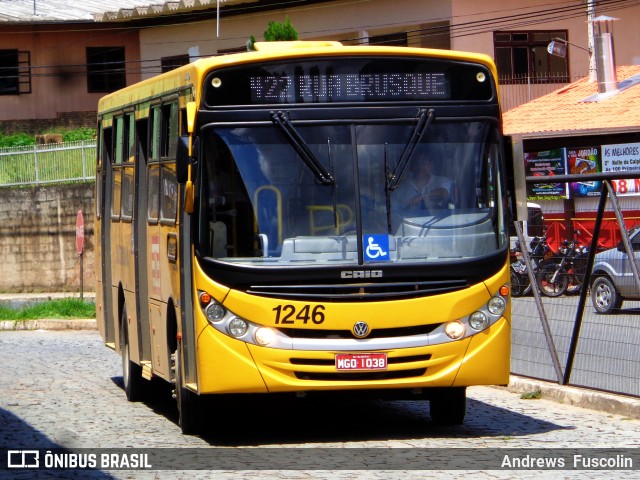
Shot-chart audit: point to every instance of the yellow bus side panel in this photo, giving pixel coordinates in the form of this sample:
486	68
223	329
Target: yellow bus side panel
225	365
487	361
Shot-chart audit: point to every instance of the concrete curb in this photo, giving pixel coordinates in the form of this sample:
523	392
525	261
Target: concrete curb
48	324
579	397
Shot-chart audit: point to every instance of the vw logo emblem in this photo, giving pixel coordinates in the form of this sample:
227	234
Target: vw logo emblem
361	329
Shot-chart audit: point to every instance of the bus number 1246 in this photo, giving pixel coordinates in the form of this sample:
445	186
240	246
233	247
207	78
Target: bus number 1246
288	315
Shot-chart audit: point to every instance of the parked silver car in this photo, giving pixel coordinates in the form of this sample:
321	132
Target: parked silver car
613	281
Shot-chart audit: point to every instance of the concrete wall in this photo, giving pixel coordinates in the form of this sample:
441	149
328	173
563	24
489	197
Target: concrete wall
38	238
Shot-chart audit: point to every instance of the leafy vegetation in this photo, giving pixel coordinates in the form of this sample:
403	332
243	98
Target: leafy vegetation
66	308
276	32
23	139
17	140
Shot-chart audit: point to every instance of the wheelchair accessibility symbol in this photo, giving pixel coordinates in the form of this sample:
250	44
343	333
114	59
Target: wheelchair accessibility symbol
376	248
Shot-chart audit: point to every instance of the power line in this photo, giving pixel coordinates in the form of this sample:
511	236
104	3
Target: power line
455	30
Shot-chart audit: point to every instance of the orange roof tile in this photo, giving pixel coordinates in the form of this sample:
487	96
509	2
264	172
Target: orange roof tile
564	111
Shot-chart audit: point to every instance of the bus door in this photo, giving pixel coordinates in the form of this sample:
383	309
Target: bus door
103	211
140	243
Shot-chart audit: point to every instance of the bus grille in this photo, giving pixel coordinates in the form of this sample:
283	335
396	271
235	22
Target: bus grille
375	333
359	291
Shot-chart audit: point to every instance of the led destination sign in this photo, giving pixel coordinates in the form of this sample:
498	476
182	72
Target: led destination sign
349	80
347	87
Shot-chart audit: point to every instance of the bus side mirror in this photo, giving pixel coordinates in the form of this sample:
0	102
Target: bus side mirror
183	159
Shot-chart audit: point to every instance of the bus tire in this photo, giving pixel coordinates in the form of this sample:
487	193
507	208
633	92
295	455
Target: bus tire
448	406
134	386
188	402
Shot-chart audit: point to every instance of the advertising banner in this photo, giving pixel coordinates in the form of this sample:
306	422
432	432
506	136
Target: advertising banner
546	163
623	157
583	161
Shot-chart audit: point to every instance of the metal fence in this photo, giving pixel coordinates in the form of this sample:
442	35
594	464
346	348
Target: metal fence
519	89
49	163
563	339
607	355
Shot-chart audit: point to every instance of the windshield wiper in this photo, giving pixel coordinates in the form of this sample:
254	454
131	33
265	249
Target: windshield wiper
425	117
301	147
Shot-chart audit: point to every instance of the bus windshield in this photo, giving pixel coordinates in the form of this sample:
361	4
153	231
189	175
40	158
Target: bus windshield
350	193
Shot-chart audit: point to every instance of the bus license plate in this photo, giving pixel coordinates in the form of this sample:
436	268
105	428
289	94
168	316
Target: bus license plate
361	361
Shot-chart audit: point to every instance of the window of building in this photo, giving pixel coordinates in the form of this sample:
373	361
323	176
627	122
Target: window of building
171	63
15	72
105	69
523	54
391	39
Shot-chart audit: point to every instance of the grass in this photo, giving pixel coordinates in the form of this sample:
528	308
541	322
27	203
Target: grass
49	163
66	308
535	395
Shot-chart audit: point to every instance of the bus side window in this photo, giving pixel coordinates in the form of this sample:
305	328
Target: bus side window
116	163
153	166
169	126
128	144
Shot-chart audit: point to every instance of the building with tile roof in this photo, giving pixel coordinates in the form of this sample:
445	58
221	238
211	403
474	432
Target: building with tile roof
41	11
577	109
590	132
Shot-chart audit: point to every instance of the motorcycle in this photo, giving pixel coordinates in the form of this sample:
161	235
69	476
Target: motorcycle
539	249
565	272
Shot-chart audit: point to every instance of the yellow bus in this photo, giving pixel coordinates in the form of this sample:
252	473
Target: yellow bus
307	218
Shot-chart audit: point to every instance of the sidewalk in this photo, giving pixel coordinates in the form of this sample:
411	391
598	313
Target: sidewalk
580	397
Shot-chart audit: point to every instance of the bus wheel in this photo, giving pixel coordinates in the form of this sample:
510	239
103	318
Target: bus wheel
131	372
188	402
448	406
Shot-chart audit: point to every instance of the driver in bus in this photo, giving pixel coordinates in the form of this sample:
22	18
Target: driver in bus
423	191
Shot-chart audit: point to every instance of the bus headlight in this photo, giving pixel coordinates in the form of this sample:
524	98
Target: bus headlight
237	327
264	336
215	312
497	305
478	321
454	330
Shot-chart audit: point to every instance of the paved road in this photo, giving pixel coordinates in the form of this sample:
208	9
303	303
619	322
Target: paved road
64	389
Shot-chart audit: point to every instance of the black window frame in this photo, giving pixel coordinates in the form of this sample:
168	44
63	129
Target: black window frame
171	63
15	71
106	69
516	49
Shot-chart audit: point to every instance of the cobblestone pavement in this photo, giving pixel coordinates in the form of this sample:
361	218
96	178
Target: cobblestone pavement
64	389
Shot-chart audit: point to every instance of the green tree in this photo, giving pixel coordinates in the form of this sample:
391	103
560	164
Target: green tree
276	32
